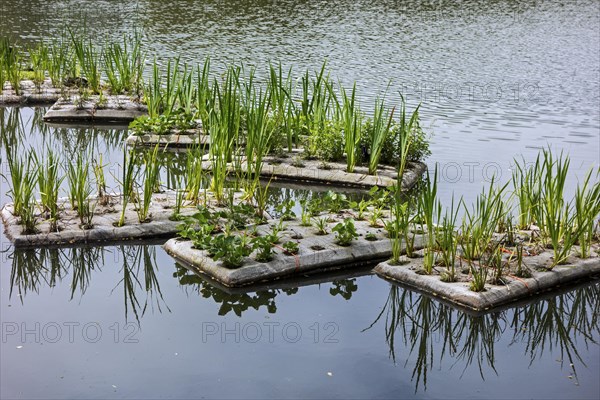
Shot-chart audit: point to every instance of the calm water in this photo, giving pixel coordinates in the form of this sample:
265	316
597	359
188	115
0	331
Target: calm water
497	79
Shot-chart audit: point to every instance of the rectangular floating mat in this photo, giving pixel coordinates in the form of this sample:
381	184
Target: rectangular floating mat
169	140
494	296
103	230
118	109
29	94
317	253
335	174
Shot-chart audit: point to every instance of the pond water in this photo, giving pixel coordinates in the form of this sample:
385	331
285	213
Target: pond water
496	79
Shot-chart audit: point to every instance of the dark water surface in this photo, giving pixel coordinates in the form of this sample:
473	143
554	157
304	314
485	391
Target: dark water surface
497	79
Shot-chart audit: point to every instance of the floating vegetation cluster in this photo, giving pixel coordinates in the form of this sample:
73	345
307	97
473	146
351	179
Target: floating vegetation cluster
488	242
73	60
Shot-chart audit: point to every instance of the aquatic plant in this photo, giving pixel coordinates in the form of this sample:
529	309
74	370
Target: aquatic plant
305	215
22	178
429	212
352	119
285	210
558	222
447	240
321	225
379	132
38	57
88	59
263	246
526	188
127	182
258	136
150	183
10	63
280	89
345	232
194	174
290	248
49	183
80	189
224	127
231	249
587	209
124	64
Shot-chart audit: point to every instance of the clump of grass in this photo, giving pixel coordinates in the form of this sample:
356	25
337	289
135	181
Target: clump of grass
150	182
10	63
280	89
88	59
49	183
39	57
321	225
526	188
587	209
258	138
224	129
98	170
429	212
558	222
23	178
380	130
447	241
477	230
194	174
352	123
127	182
80	189
124	64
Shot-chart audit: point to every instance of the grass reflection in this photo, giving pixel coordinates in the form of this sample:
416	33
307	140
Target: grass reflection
425	325
34	269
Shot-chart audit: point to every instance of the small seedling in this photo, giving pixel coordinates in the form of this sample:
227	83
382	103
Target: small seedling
264	248
321	225
345	232
291	248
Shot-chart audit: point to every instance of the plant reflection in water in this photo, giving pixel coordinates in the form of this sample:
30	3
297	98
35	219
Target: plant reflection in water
35	268
555	322
239	301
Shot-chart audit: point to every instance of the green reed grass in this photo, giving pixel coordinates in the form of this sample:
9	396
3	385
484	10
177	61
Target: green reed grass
127	182
380	131
153	93
224	127
477	230
203	92
49	183
186	91
124	64
258	138
88	60
429	212
10	63
587	209
526	188
39	57
352	123
59	62
280	88
150	181
194	174
78	174
447	240
22	182
558	219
